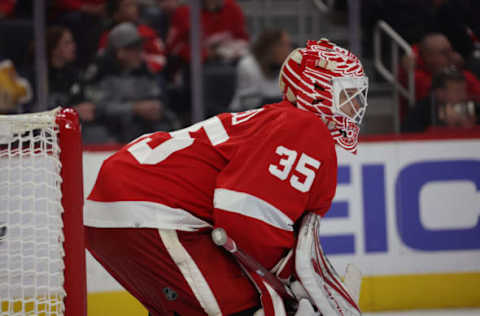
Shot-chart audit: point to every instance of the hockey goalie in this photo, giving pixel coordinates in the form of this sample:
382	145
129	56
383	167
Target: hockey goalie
266	177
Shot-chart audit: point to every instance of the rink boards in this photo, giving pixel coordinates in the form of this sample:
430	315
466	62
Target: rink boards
406	213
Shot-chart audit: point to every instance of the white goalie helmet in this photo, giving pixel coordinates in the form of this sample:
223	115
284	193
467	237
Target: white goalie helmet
329	81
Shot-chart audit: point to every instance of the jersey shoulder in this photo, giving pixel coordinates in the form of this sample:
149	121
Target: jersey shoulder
292	115
302	125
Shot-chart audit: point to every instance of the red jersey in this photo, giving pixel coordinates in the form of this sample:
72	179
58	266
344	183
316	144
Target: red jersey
253	173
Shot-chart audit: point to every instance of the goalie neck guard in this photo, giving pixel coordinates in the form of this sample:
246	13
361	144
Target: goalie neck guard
329	81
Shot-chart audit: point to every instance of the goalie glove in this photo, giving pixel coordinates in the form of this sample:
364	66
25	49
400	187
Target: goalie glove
318	277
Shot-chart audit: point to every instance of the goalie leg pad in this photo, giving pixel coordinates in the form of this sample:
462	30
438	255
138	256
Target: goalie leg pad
318	276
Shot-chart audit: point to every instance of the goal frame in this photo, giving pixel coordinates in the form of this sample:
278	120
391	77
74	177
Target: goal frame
70	142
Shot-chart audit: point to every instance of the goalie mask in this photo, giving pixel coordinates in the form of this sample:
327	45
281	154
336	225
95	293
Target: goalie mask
329	81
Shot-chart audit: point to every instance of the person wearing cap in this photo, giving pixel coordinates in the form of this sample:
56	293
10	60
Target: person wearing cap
124	88
120	11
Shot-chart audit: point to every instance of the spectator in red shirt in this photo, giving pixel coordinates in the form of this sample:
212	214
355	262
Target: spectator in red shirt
127	11
435	53
223	28
6	8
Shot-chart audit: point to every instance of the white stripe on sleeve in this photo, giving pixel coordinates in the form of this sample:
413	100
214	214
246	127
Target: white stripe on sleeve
251	206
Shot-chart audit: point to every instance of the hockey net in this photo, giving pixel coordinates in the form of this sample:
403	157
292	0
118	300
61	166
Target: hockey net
42	255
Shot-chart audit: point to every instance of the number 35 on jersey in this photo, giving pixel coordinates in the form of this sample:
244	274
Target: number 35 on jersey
305	166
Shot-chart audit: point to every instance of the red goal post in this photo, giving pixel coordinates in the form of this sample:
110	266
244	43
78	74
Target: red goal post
42	252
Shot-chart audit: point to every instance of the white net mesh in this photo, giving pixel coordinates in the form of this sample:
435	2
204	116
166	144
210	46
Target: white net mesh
31	250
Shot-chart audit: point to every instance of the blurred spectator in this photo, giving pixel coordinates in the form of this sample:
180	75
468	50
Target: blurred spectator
85	19
65	85
6	8
224	41
435	54
14	90
257	73
158	16
462	29
123	88
223	28
458	21
63	78
121	11
448	104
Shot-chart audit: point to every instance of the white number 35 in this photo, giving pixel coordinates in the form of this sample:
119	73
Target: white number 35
283	168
